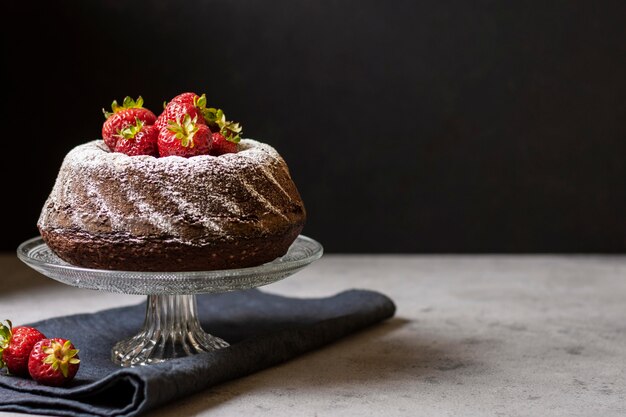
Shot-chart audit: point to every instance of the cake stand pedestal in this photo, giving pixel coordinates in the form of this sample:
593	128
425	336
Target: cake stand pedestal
171	327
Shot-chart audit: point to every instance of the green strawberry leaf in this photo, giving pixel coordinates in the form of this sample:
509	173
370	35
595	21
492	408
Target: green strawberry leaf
128	103
200	102
131	131
184	130
5	334
60	356
216	119
231	131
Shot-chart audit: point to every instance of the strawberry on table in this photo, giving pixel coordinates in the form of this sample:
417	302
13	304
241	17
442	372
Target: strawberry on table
123	116
53	361
138	139
184	137
15	346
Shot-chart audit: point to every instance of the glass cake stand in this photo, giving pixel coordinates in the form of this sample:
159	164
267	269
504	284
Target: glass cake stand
171	328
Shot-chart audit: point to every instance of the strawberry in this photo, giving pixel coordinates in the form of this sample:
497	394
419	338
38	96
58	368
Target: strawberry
221	145
227	133
216	120
53	362
15	346
185	103
138	139
195	106
123	116
184	137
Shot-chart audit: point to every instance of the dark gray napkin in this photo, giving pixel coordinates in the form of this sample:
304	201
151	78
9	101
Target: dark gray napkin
263	330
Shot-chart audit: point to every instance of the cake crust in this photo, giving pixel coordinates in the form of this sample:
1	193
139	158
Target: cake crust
112	211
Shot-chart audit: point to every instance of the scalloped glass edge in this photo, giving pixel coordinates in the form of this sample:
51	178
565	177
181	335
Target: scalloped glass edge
301	253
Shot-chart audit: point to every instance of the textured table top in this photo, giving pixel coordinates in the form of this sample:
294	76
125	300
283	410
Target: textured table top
473	336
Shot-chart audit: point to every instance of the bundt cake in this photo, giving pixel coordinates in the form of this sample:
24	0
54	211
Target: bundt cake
109	210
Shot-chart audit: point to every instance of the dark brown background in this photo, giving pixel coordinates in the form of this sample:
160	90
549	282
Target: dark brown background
432	126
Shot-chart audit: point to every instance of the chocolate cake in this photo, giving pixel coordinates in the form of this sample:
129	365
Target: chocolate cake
108	210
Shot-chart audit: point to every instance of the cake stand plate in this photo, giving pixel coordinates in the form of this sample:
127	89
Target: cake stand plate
171	327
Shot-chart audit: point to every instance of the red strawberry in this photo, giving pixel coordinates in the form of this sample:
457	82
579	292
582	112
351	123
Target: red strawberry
184	137
122	117
53	362
15	346
221	145
185	103
227	133
138	139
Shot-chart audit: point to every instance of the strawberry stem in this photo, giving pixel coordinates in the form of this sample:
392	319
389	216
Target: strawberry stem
131	131
217	122
60	356
6	331
128	103
184	130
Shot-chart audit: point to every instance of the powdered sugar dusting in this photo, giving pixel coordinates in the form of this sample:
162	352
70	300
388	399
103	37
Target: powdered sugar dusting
190	200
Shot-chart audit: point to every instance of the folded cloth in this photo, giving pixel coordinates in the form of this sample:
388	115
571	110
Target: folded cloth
263	330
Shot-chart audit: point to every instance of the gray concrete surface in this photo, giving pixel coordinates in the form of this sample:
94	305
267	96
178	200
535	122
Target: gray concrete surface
473	336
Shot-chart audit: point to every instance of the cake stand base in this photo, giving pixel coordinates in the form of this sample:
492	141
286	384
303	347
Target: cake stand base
171	330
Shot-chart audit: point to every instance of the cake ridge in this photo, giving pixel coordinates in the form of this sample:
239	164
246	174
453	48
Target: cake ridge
145	202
